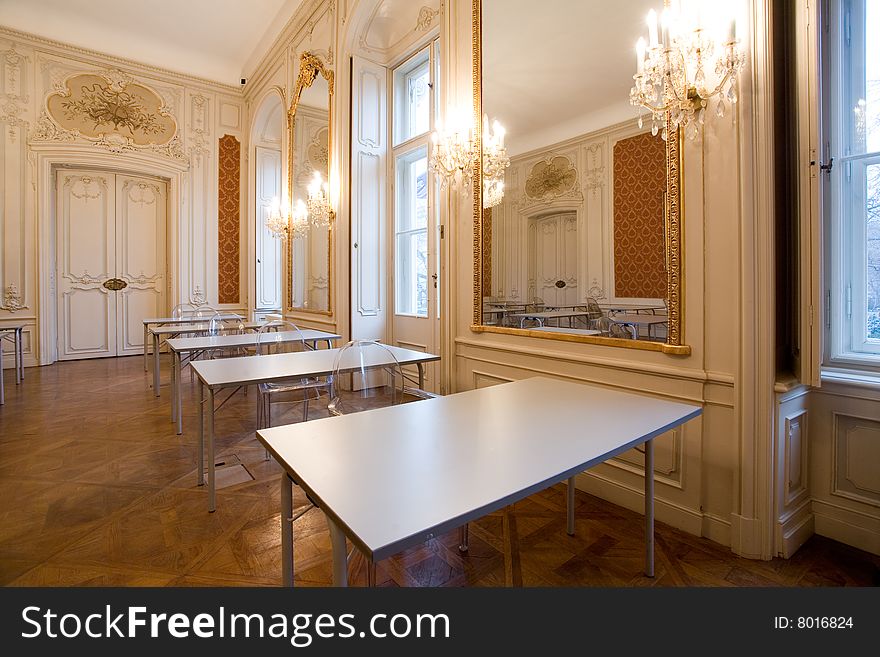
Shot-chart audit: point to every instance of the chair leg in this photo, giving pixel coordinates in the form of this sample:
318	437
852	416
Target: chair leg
305	409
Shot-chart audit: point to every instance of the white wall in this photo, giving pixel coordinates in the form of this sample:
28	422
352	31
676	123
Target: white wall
204	111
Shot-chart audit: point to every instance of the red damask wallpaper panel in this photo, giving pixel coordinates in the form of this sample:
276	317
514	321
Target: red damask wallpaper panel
228	220
639	231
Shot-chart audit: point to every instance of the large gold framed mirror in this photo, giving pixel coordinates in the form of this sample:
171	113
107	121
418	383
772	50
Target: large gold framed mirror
309	248
584	242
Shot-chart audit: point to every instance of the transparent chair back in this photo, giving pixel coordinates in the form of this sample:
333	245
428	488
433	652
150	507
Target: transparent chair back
609	327
366	374
280	337
203	313
182	310
226	325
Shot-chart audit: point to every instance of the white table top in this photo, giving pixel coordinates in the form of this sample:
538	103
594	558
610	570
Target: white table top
186	320
190	327
562	329
245	340
12	327
550	314
279	367
639	319
607	305
396	476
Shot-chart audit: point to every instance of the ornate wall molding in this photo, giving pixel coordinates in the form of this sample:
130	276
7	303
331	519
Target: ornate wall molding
15	96
229	219
197	296
551	178
12	299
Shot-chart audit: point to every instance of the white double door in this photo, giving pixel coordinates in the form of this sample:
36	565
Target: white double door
554	257
110	261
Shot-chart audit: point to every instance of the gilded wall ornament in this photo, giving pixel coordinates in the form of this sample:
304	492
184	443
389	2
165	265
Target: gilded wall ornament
551	179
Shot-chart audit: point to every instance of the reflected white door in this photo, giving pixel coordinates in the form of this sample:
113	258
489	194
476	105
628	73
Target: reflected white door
556	259
268	270
111	234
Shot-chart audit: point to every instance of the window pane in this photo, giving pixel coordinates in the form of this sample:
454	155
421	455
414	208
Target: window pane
412	273
411	280
872	232
860	42
412	190
412	94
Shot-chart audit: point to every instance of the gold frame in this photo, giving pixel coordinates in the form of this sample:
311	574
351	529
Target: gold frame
309	68
674	235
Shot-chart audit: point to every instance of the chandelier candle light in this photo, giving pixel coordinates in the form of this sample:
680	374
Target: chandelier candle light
319	202
283	224
495	161
671	78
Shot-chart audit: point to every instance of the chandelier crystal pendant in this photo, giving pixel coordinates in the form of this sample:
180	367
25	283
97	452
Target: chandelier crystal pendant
319	212
674	65
495	161
452	156
299	220
283	224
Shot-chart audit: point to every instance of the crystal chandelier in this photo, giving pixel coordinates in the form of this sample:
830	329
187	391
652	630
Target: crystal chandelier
319	212
283	224
671	79
453	154
495	161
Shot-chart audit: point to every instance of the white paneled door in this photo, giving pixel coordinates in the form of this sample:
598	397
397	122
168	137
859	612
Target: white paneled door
110	261
555	259
268	269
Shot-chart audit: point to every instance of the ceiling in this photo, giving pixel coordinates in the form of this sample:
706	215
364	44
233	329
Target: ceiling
553	70
212	39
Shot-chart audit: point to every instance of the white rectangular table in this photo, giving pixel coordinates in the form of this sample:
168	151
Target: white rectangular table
14	332
542	316
152	322
214	375
164	332
562	329
395	477
630	307
634	321
193	347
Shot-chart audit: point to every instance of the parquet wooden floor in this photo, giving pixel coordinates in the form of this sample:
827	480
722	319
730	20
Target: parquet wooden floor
97	489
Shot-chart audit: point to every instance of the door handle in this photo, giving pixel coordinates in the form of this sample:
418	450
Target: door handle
115	284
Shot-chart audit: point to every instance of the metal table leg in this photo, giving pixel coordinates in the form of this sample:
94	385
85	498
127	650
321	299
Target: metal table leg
16	337
211	495
421	367
286	530
155	364
178	390
569	507
649	508
2	389
173	390
340	558
463	538
201	476
146	347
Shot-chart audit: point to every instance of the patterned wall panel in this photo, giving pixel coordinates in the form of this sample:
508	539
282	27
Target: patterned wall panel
639	236
228	219
487	252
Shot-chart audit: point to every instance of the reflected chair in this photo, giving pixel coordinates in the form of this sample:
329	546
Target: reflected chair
182	310
281	337
607	326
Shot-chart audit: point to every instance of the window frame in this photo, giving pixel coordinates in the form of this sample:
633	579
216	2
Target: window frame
846	285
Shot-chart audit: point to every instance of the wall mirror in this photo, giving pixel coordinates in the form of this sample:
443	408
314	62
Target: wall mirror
309	251
584	241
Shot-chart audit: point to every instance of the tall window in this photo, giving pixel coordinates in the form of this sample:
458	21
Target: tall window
414	91
852	70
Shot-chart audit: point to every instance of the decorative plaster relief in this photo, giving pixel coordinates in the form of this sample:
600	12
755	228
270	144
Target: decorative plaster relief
112	106
551	178
12	299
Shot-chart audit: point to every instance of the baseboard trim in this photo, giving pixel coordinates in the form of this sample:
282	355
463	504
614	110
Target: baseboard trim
633	499
845	532
794	528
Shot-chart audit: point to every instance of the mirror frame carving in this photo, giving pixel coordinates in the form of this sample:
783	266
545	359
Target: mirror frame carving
310	66
674	236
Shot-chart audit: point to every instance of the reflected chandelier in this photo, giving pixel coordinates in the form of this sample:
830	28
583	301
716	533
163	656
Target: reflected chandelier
319	211
283	224
671	78
453	154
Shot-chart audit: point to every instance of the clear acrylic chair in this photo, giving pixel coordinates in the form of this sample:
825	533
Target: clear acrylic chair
607	326
229	324
281	337
182	310
367	375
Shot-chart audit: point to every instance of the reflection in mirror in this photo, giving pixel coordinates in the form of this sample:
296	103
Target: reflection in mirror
579	242
309	246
